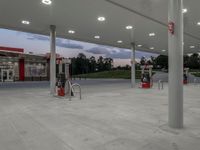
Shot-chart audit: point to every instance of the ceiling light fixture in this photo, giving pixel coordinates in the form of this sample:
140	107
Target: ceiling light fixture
139	45
47	2
97	37
151	48
152	34
184	10
129	27
71	31
101	19
163	50
25	22
119	41
192	46
198	23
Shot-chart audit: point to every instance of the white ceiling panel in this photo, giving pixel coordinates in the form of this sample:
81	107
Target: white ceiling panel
81	15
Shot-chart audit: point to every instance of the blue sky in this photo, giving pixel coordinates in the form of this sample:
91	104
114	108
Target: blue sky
39	44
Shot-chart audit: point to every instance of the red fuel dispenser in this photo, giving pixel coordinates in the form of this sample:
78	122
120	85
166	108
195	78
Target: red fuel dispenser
61	85
146	76
62	74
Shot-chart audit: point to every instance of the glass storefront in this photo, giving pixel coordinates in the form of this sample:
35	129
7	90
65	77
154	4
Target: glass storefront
6	73
7	69
34	69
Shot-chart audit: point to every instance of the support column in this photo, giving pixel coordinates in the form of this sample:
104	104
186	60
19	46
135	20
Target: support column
175	46
53	59
133	83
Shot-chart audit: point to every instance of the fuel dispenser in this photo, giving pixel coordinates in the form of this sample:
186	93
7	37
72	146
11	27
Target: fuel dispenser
185	75
62	75
146	77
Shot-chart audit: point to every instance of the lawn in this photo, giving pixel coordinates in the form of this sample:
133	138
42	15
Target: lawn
118	74
197	74
114	74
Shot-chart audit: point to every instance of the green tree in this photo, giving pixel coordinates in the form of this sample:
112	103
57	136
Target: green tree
143	61
92	64
161	61
186	61
81	63
194	61
100	63
108	63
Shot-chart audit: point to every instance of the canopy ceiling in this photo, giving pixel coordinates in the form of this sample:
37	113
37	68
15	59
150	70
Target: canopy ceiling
146	16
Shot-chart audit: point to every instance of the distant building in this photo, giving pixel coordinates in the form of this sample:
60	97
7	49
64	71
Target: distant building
15	65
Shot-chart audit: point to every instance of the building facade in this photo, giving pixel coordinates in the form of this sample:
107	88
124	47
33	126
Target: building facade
15	65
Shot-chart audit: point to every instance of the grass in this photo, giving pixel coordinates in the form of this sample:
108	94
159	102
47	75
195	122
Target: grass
114	74
197	74
117	74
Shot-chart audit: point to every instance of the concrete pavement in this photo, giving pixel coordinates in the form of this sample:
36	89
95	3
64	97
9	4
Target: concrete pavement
111	116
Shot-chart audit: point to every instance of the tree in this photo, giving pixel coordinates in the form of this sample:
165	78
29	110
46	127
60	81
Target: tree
81	64
143	61
100	64
127	67
186	61
153	62
161	62
108	64
92	64
193	62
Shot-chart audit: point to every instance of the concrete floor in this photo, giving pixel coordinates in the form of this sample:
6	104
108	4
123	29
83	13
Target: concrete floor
110	117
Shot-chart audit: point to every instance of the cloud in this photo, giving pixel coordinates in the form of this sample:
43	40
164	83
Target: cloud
37	37
122	54
110	52
117	53
99	50
106	51
68	44
59	42
140	54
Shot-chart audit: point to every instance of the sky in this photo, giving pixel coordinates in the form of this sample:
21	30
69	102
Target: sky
39	44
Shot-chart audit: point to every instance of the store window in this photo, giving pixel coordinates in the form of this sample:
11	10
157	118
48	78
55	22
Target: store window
35	69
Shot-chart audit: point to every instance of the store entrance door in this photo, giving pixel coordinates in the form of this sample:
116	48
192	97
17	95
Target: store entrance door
7	75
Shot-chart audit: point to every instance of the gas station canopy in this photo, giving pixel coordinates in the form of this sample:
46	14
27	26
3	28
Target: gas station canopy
103	21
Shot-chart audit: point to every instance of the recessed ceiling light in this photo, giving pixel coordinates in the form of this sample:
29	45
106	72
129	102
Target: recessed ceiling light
192	46
198	23
101	19
47	2
151	48
129	27
97	37
139	45
152	34
185	10
119	41
25	22
71	31
163	50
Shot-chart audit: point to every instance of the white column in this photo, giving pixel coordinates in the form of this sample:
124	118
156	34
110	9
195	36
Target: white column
53	59
133	83
175	46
